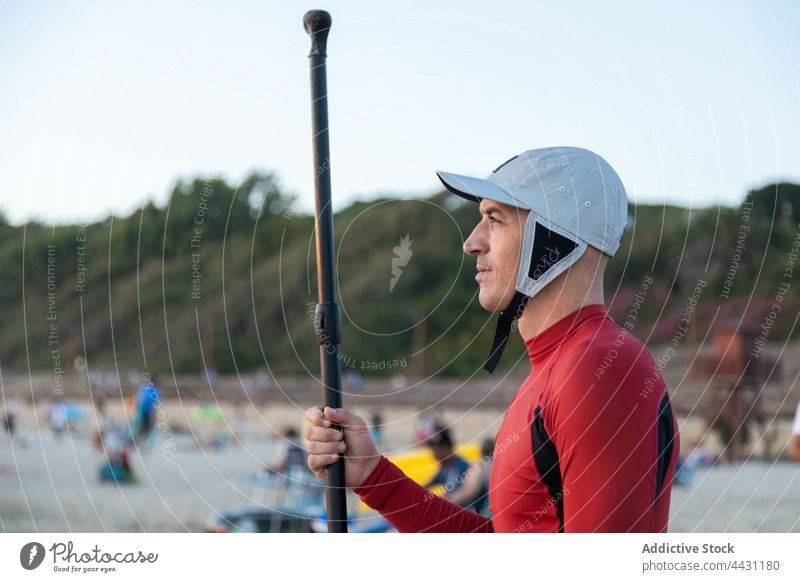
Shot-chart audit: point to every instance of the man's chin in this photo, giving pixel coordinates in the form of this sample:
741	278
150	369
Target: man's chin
491	303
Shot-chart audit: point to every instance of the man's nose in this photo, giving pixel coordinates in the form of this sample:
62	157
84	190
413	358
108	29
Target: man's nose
477	242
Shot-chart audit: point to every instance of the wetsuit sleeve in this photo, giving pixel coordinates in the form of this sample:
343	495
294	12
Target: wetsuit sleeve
604	426
409	507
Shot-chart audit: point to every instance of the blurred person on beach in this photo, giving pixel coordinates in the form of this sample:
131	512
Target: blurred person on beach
102	422
353	382
426	425
700	456
474	492
148	398
10	419
295	456
298	488
376	429
293	462
239	423
452	467
794	441
57	416
589	442
116	466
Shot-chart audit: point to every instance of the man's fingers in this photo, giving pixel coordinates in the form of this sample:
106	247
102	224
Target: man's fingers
315	417
324	443
318	448
317	463
319	433
344	418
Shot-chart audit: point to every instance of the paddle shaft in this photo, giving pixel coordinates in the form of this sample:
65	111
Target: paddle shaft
327	316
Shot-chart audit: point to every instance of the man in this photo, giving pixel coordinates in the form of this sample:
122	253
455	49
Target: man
589	442
451	466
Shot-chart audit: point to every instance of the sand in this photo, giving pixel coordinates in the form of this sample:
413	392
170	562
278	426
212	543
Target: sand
52	485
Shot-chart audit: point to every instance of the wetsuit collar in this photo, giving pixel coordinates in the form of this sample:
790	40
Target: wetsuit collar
549	339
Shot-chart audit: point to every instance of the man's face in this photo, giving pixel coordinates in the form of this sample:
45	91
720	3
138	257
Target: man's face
497	241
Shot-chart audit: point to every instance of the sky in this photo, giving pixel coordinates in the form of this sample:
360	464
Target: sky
103	106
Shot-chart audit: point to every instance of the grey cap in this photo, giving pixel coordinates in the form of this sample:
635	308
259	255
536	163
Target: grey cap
571	187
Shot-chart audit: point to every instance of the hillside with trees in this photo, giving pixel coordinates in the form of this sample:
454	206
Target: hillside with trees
223	277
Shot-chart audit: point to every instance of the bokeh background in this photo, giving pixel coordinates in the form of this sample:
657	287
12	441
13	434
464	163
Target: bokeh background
157	242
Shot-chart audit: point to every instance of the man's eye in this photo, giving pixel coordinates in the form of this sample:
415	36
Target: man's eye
493	220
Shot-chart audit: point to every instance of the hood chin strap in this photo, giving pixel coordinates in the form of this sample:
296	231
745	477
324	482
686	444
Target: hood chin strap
504	322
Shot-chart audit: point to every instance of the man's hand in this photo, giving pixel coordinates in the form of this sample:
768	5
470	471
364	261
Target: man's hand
325	444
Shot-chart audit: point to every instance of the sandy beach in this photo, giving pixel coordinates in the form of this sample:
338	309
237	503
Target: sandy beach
49	484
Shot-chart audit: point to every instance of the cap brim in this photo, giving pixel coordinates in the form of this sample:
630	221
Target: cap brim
476	189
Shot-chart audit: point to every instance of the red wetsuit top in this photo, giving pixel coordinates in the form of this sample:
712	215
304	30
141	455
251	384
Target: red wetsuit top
596	392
